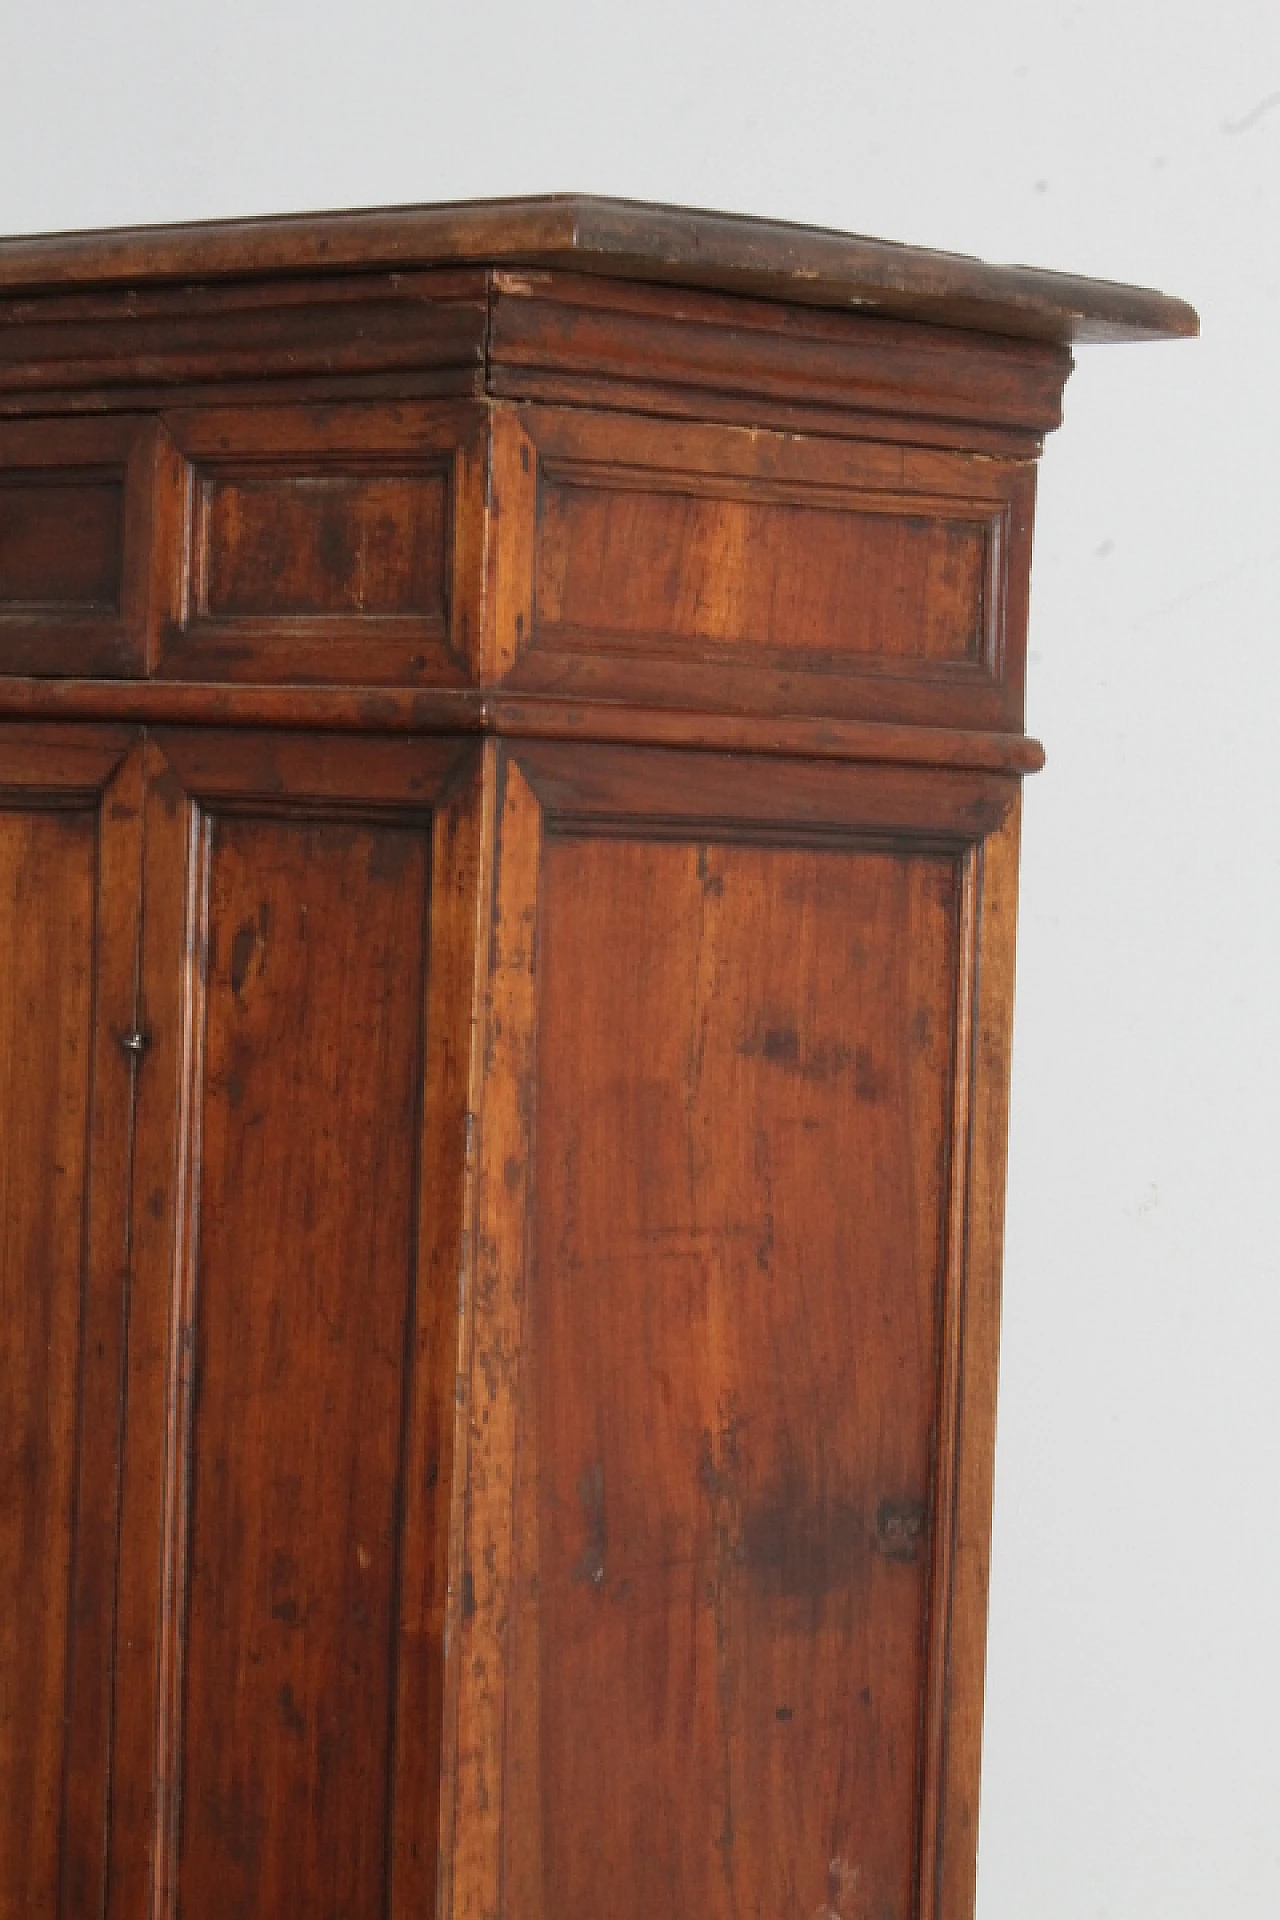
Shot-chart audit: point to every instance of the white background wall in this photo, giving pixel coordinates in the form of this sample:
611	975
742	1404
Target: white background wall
1133	1718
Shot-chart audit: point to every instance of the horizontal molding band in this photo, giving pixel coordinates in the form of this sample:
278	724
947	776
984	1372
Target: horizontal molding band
511	716
200	703
527	717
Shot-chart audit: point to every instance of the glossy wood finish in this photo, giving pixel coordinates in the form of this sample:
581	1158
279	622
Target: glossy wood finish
511	721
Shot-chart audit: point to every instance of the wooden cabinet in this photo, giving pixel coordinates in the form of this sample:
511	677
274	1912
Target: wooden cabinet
510	741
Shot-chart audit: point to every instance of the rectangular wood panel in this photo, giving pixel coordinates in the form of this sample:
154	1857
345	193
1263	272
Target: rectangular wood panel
688	569
734	1301
309	1120
336	544
292	1346
324	543
742	1103
667	564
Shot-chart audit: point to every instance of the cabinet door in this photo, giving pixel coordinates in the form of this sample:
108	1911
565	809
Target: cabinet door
742	1141
306	972
69	848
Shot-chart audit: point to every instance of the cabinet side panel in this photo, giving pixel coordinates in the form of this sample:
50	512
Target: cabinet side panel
744	1101
301	1331
46	933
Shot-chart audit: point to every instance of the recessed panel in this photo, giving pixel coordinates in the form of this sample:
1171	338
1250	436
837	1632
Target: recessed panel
686	566
310	1149
693	572
329	545
324	544
743	1115
47	877
61	542
78	519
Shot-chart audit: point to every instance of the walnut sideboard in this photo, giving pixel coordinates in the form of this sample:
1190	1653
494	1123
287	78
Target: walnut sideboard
511	726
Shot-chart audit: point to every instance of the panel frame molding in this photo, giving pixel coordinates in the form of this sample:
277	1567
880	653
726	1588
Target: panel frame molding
535	447
992	522
355	441
648	794
195	777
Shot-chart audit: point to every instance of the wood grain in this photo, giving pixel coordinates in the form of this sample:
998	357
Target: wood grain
701	567
323	544
775	576
200	702
571	338
145	345
61	544
331	546
46	870
426	1729
69	849
77	510
616	238
291	1376
732	1385
960	1709
718	1352
511	723
605	790
517	716
495	1305
168	1015
316	943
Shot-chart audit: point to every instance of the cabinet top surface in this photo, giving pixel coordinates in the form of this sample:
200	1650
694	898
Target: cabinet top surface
811	266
